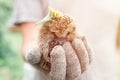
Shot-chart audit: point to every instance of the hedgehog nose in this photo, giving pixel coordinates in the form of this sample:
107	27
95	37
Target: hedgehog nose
61	35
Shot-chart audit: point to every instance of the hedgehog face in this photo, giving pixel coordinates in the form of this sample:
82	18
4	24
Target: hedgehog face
61	27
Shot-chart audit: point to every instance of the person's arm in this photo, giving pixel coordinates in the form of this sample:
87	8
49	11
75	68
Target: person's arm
25	15
27	30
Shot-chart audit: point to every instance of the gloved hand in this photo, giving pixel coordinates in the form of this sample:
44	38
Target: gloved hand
61	53
67	61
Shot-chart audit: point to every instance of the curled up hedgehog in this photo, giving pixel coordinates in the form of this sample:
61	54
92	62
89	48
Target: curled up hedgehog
60	52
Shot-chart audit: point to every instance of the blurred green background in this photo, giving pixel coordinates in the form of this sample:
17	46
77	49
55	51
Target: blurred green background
11	63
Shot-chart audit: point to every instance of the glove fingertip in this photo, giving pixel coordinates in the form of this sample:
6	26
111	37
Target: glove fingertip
33	57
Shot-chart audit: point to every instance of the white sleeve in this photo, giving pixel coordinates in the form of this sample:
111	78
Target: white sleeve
29	10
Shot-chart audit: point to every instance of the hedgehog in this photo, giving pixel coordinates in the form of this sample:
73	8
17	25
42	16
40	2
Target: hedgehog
55	31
